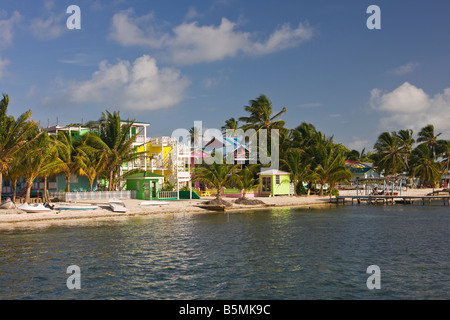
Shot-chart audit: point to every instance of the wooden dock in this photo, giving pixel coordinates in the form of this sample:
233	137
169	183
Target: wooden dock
383	199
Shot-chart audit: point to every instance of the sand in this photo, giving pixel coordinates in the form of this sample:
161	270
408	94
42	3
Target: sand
17	217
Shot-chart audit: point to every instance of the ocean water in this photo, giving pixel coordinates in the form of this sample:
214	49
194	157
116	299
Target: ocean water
280	254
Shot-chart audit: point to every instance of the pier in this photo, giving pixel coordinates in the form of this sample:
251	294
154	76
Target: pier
389	199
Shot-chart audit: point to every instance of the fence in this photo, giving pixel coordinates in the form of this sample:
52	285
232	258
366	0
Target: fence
96	195
166	195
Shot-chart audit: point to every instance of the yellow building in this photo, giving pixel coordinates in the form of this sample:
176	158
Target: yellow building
165	156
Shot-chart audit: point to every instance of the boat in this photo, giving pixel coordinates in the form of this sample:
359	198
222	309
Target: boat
7	204
75	206
34	208
117	205
153	203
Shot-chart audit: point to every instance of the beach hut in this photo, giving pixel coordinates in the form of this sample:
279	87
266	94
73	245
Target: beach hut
274	183
146	184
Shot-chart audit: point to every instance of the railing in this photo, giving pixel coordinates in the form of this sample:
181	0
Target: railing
168	195
95	195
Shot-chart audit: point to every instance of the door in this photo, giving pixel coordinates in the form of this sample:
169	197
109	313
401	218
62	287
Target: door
154	191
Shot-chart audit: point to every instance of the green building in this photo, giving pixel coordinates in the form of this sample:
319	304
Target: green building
274	183
146	184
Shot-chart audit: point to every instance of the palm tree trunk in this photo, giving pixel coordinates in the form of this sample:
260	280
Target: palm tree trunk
1	185
14	189
28	194
68	182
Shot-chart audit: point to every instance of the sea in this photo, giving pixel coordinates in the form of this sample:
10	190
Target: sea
351	252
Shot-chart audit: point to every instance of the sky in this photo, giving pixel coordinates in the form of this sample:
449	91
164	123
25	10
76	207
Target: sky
173	62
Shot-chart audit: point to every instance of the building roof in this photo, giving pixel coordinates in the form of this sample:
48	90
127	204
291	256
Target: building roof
272	172
145	174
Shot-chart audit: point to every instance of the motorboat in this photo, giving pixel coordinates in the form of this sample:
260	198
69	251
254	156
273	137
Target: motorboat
75	206
117	205
153	203
7	204
34	208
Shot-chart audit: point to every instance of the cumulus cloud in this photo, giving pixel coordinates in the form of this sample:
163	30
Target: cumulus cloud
139	85
404	69
6	28
410	107
190	43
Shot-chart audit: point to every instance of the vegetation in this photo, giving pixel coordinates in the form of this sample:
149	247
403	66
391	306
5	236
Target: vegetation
27	152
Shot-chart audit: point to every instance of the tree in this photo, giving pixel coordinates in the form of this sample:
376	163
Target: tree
115	138
230	125
66	147
90	162
218	175
298	166
424	165
261	116
330	167
246	179
13	135
41	155
405	141
443	149
428	137
389	156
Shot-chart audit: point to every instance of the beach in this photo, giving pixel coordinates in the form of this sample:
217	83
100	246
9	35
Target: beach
11	217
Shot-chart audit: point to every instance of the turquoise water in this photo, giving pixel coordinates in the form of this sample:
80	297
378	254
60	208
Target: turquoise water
287	254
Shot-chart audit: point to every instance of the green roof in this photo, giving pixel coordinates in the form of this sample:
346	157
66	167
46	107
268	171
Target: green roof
145	174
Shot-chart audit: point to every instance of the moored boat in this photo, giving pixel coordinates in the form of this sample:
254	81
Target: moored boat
34	208
7	204
117	205
75	206
153	203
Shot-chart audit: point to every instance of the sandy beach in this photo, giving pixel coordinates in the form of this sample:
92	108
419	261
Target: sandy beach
17	217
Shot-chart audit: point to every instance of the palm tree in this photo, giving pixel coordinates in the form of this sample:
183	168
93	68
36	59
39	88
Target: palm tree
428	137
230	124
66	147
389	156
218	175
90	162
114	138
13	135
297	164
405	141
246	179
443	149
424	165
330	167
261	116
41	156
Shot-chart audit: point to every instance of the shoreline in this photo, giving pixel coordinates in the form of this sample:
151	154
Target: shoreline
16	217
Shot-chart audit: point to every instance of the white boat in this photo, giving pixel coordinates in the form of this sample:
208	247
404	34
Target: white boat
34	208
117	205
7	204
153	203
75	206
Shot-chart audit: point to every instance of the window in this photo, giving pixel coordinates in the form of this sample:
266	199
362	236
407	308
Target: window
277	180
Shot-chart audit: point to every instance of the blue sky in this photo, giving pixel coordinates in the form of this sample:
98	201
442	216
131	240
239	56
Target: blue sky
171	63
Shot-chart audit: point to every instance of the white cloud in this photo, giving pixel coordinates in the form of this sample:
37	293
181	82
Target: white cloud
409	107
191	43
405	69
140	85
3	64
6	28
129	31
50	25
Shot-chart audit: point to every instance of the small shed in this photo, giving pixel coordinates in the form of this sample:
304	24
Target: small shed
274	183
146	184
